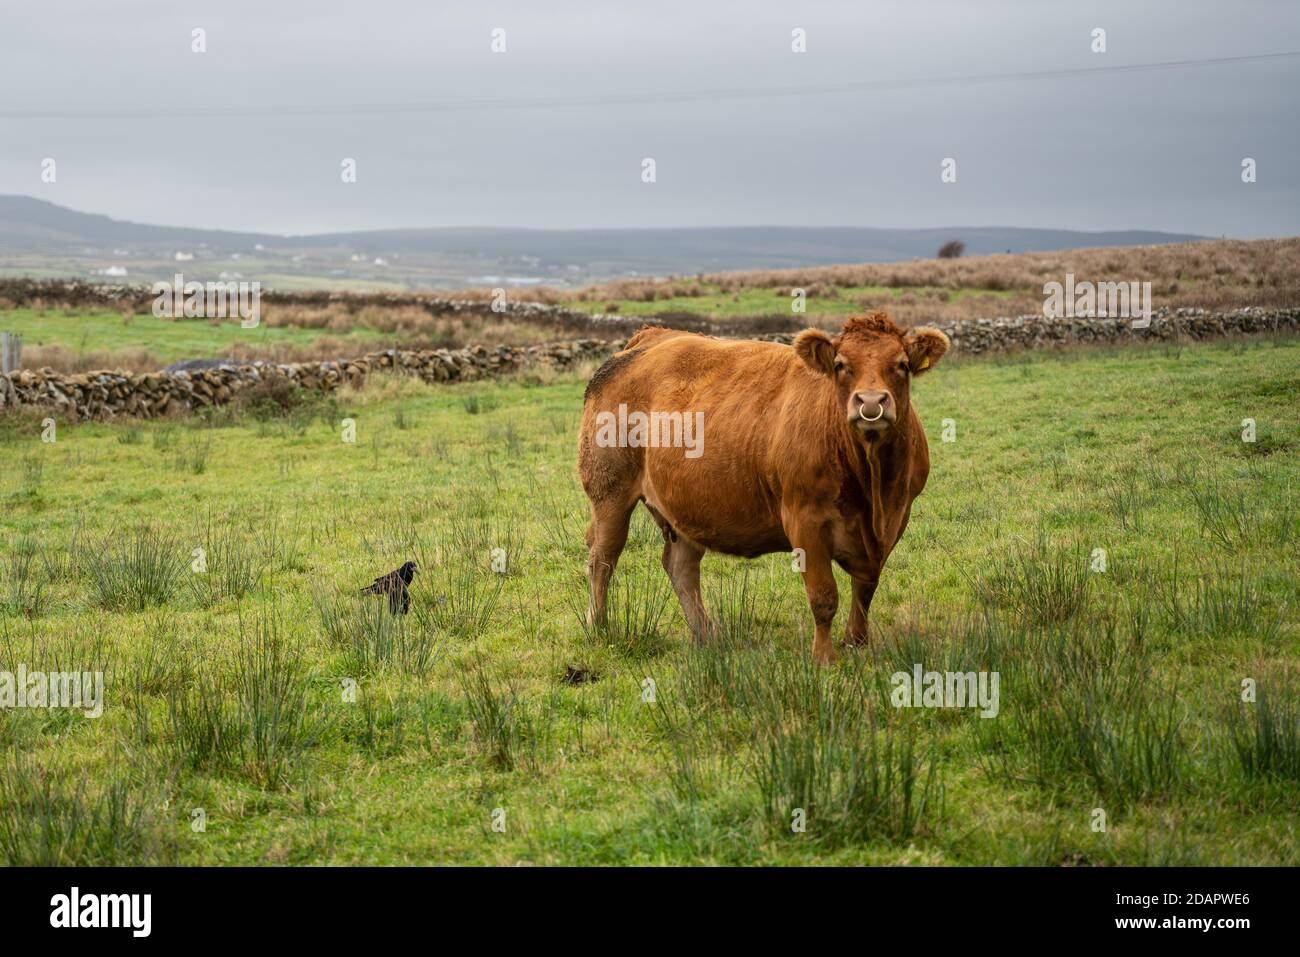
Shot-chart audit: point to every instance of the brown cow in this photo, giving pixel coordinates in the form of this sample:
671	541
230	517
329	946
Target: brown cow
815	448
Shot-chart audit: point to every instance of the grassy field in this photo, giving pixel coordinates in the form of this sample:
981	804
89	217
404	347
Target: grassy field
105	339
263	712
714	301
272	273
69	340
1214	275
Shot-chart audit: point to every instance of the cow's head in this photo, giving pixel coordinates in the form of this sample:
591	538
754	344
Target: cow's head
872	362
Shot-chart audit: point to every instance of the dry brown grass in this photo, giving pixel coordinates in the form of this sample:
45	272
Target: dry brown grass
918	308
63	359
411	326
1216	274
1220	273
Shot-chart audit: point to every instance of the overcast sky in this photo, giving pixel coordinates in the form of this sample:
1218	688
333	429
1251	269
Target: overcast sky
1153	149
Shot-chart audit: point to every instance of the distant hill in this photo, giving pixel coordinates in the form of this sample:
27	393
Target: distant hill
40	237
28	222
737	247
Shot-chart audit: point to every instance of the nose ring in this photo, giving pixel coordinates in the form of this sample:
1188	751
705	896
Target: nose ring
879	412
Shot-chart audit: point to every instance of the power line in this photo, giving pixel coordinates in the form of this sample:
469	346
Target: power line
624	99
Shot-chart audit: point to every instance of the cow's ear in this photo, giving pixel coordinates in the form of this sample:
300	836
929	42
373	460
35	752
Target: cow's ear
925	346
817	350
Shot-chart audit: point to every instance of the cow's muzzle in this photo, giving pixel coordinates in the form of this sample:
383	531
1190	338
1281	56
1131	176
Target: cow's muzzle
872	411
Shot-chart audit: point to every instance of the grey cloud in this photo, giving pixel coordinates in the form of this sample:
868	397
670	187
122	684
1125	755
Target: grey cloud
1158	150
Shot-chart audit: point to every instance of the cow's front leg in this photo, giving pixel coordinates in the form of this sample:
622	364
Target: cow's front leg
819	583
858	632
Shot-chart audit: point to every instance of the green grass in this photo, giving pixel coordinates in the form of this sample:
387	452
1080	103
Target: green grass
169	340
261	270
301	724
716	303
306	281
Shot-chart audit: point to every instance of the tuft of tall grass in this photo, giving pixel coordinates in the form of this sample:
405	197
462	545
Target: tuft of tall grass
1127	503
1224	604
60	560
281	542
1059	463
509	731
162	665
193	456
720	670
385	716
817	752
30	475
1113	729
481	536
257	719
1233	519
693	766
734	605
478	402
561	520
514	442
271	685
1265	733
203	731
234	564
23	585
373	637
1041	582
462	602
140	568
637	602
162	662
55	818
164	437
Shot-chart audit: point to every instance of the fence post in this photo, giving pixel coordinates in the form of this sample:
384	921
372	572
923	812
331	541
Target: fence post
11	352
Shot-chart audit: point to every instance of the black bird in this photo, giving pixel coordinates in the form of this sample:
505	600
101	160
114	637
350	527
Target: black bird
578	676
394	586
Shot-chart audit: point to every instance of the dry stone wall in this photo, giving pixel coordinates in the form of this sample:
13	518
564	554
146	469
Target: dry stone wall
81	294
106	395
148	394
979	336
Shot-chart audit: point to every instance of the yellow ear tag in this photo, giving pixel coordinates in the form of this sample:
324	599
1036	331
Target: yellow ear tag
925	363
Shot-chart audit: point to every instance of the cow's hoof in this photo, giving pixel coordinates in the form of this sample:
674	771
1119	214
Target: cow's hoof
825	655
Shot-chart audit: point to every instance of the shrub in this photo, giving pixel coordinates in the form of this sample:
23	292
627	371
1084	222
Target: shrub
270	397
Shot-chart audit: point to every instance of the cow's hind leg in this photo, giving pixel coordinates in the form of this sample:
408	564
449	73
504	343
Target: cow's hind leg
606	537
681	561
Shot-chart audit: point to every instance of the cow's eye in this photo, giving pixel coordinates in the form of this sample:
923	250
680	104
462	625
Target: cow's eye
903	366
839	365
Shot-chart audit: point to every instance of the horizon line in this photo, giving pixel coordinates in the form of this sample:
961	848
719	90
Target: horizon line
627	229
